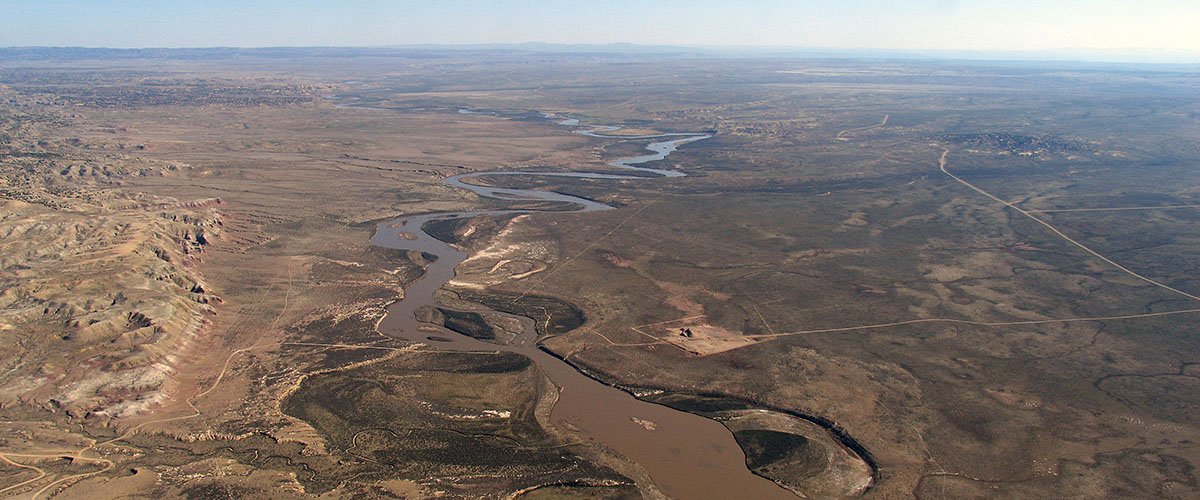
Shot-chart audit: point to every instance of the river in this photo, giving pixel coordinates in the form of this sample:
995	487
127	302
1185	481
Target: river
687	456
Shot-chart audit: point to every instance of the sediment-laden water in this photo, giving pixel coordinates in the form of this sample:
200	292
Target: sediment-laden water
686	455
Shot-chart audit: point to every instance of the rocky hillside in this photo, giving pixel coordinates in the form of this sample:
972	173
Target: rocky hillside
98	287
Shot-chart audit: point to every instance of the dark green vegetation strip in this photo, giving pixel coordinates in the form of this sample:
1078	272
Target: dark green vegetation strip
581	492
708	404
551	315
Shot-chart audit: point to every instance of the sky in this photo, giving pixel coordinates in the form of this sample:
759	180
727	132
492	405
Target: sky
972	25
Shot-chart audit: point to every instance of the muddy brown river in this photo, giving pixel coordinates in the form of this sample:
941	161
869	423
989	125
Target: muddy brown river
687	456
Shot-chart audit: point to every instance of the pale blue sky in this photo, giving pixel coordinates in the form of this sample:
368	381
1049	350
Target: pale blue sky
873	24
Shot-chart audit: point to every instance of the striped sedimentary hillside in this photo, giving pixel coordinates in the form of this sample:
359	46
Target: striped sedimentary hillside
100	297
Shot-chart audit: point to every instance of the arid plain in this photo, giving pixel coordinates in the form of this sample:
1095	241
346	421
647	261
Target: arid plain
919	279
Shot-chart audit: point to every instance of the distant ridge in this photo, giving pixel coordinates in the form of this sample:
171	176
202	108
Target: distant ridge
1126	56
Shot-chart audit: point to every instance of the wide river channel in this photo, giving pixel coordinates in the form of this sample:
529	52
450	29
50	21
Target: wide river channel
687	456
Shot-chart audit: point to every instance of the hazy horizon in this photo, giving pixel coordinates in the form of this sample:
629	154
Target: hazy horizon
1154	31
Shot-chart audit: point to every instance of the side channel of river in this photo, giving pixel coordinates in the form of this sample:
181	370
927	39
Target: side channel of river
686	455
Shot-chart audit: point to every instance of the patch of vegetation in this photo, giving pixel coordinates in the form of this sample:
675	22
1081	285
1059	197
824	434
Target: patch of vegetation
319	474
551	316
218	491
581	492
468	418
767	450
444	229
467	323
1015	143
700	404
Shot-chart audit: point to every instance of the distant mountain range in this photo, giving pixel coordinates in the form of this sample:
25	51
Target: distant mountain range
1151	56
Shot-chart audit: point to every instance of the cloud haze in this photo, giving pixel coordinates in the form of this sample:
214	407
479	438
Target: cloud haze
857	24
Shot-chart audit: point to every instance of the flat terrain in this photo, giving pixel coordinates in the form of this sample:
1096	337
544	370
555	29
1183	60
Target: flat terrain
923	280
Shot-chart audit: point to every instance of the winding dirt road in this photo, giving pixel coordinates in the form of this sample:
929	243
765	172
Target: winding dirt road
841	135
1027	213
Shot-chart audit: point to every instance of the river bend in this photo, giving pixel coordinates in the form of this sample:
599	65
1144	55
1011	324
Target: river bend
687	456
